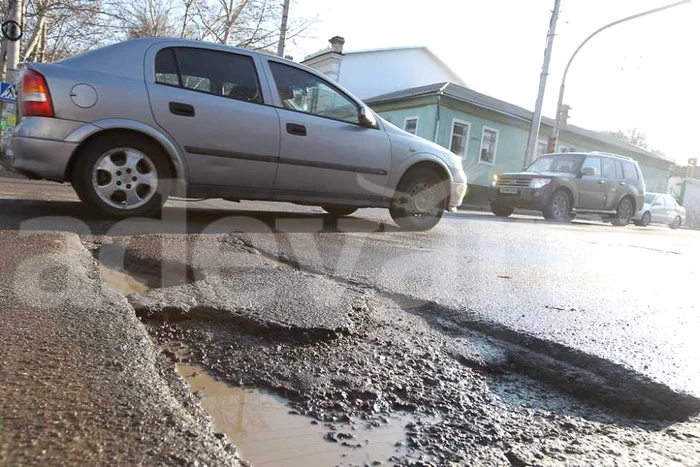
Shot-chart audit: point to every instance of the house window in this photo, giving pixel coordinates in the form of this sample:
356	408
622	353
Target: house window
411	125
460	138
489	142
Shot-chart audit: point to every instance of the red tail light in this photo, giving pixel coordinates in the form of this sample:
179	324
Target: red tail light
36	99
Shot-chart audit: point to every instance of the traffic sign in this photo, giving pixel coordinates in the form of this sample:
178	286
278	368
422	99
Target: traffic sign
11	30
8	92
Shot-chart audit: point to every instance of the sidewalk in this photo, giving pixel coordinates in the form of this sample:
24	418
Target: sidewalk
80	381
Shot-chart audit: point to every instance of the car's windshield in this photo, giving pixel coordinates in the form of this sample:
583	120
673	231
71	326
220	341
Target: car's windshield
559	163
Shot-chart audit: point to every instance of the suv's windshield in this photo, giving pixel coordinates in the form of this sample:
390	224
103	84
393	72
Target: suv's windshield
560	163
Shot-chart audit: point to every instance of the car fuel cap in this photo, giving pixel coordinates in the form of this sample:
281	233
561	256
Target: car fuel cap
83	95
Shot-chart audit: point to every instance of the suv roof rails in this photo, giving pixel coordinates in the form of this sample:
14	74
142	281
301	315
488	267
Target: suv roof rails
612	155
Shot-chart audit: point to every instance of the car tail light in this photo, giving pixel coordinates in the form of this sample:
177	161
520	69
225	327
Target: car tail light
36	99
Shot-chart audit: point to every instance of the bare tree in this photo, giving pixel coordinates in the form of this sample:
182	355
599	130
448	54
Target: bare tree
55	29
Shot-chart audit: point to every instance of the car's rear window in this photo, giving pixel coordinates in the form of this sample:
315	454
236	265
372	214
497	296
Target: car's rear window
630	172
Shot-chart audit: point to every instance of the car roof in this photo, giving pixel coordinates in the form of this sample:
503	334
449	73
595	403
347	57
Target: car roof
130	54
592	153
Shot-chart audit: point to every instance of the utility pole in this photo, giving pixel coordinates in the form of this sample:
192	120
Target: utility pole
283	29
561	107
13	46
537	116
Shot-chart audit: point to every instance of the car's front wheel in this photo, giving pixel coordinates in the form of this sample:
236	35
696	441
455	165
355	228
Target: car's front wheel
625	211
420	200
122	176
501	210
559	206
339	211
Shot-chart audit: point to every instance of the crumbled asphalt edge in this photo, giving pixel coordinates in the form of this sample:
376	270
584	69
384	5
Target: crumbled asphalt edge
166	372
369	375
575	372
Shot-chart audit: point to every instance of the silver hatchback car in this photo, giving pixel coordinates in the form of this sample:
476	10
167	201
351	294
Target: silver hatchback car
132	123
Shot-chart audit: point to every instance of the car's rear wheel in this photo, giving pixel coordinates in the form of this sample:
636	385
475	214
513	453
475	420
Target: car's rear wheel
122	176
559	207
420	200
676	223
625	211
645	221
501	210
339	211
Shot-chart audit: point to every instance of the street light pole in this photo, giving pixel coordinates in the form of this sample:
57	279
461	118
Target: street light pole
283	29
553	141
537	116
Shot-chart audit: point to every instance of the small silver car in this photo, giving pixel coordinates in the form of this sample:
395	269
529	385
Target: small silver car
660	208
132	123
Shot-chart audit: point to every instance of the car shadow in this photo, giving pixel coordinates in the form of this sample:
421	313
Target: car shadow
38	215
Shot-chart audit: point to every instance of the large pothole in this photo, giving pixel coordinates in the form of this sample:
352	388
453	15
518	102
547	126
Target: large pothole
459	379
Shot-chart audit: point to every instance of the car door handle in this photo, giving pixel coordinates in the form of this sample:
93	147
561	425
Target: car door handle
296	129
623	183
601	182
179	108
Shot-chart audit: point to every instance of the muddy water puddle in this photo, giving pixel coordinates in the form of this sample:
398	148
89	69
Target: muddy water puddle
123	282
264	431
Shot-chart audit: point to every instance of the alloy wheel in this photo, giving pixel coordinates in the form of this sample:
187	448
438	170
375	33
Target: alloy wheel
125	178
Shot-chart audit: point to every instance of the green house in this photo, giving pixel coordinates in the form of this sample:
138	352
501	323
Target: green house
492	134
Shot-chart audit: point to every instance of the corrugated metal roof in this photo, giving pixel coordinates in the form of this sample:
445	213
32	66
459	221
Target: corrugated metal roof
482	100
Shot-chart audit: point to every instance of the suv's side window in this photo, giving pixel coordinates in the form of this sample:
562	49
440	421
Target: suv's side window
593	162
609	170
210	71
305	92
630	172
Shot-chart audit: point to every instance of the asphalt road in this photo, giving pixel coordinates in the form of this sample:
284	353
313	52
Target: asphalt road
625	294
283	297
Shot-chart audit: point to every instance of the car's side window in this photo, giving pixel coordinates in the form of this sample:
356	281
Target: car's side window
210	71
305	92
609	170
166	68
630	173
593	162
670	202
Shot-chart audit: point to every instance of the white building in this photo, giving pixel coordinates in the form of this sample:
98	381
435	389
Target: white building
392	69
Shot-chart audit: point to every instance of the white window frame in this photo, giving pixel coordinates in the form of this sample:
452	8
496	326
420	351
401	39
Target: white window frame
466	137
411	118
495	148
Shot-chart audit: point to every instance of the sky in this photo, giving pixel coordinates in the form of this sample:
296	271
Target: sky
641	74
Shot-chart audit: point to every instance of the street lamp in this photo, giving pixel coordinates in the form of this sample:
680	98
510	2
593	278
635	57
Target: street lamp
561	112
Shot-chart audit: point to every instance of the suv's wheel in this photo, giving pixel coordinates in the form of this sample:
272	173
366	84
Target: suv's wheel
122	176
339	211
419	201
625	211
501	210
559	206
676	223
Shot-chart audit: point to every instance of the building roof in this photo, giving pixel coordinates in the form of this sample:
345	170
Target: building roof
470	96
386	50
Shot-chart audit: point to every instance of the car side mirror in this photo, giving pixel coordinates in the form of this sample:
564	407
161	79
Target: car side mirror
366	118
588	171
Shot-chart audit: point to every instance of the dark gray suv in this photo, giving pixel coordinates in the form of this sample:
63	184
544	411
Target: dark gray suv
560	185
